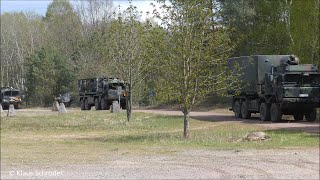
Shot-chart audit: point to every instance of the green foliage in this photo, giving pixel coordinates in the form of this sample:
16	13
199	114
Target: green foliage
196	49
304	28
189	47
274	27
48	75
258	26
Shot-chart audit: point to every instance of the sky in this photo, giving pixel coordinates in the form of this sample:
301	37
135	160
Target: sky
40	6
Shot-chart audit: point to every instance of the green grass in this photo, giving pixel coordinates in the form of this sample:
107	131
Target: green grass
90	136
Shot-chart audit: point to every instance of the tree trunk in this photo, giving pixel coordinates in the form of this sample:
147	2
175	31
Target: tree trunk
186	124
128	103
129	99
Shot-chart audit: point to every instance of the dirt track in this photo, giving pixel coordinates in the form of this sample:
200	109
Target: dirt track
224	115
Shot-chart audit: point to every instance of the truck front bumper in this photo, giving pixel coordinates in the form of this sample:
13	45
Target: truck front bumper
292	105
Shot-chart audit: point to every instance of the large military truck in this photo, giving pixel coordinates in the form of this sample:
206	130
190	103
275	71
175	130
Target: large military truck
10	95
101	92
275	85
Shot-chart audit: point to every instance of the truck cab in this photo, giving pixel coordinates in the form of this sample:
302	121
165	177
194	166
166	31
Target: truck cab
275	85
10	95
101	92
297	89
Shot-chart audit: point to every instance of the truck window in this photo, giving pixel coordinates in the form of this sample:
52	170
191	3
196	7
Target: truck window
11	93
312	79
292	78
114	86
298	78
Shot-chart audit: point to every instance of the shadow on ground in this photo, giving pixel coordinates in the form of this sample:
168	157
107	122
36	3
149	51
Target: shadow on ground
285	124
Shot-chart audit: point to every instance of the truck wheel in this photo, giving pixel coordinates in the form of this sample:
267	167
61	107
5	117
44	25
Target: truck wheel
311	116
108	106
17	106
104	104
237	109
298	116
264	112
82	104
275	112
245	113
97	104
86	104
123	106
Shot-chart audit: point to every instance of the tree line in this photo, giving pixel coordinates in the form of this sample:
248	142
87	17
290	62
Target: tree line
179	51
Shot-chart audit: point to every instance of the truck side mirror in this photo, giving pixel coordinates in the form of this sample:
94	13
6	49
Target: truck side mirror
273	69
271	77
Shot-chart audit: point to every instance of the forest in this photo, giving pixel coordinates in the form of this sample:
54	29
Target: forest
178	52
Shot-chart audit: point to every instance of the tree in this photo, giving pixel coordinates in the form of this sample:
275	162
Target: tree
259	27
48	75
64	30
125	38
21	35
196	48
273	27
303	25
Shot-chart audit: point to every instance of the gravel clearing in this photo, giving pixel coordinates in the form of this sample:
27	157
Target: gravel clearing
302	163
191	164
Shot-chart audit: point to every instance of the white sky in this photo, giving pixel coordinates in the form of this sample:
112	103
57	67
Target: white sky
40	6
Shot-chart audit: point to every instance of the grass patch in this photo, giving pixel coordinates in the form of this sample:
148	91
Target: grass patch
90	136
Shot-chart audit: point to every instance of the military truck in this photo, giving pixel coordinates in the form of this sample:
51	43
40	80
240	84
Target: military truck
101	92
275	85
10	95
64	98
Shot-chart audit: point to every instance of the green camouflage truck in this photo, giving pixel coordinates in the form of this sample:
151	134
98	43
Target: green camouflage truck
275	85
101	92
10	95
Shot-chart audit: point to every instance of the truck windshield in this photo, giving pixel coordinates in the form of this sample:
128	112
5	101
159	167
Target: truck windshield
305	79
11	93
114	86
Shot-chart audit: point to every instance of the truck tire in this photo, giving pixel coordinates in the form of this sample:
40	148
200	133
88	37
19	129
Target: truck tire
298	116
275	111
237	109
86	104
82	104
97	104
264	112
311	116
17	106
245	113
123	105
104	104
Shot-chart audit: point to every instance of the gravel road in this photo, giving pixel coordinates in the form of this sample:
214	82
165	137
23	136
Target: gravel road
191	164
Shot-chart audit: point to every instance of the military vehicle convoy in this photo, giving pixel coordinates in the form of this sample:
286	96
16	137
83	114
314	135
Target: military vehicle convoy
101	92
275	85
10	95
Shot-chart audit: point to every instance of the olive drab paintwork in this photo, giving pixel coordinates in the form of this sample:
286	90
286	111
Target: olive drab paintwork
101	92
10	95
277	82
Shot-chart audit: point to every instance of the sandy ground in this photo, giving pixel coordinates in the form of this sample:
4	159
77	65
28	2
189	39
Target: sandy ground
190	164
